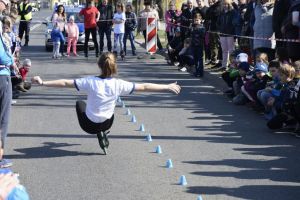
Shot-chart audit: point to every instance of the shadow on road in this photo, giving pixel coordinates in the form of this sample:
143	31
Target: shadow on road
48	150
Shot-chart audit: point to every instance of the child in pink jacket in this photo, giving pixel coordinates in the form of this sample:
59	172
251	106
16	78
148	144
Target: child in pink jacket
73	33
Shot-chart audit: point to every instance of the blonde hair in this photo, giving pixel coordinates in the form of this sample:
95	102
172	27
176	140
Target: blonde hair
107	64
121	5
262	57
287	70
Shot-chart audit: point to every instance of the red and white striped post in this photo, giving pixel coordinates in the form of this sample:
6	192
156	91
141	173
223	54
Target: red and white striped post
151	35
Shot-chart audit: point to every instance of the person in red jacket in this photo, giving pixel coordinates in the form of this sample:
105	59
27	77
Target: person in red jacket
23	85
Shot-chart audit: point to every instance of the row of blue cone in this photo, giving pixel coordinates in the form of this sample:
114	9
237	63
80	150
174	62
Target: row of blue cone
158	150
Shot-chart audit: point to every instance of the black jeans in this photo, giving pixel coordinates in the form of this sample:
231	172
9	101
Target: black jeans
198	59
24	27
86	124
5	105
107	32
87	32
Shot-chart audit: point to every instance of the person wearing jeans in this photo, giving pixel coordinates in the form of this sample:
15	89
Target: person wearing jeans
130	26
119	28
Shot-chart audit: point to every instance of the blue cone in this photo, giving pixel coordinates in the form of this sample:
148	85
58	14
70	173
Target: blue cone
133	119
169	163
119	100
123	104
158	149
128	112
182	180
199	197
142	128
149	138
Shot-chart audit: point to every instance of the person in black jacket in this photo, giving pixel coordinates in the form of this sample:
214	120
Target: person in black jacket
212	15
202	9
105	24
130	26
186	18
174	47
197	35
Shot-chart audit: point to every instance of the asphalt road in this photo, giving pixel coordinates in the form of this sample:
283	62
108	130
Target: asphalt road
224	151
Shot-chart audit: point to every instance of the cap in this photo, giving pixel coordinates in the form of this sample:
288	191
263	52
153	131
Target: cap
242	57
261	67
244	66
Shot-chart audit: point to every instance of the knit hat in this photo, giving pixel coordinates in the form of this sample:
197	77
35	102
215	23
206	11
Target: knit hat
242	57
261	67
244	66
72	18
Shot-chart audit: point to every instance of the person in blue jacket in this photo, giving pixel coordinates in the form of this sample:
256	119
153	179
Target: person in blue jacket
56	37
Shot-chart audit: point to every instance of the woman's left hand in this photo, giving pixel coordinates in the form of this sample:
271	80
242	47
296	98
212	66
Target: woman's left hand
174	87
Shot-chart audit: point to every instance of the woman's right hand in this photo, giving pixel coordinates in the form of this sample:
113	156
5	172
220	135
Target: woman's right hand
174	87
37	80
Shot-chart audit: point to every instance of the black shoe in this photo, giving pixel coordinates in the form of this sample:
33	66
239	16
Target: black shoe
133	53
97	55
216	65
26	44
86	55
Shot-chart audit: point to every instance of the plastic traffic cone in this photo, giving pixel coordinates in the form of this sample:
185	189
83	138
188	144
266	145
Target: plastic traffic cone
142	128
149	138
158	149
133	119
182	180
128	112
169	163
199	197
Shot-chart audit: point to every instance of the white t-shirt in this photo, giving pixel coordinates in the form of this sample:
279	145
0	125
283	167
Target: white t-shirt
119	28
102	95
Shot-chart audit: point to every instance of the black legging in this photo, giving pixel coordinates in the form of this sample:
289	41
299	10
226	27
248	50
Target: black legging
86	124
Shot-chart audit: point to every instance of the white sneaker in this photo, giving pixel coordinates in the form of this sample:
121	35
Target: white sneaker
183	69
176	64
13	102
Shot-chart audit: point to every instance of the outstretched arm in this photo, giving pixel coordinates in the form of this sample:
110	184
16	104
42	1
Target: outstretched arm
151	87
54	83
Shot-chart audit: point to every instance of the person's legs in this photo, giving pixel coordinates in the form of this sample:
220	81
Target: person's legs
27	30
131	38
5	103
126	35
86	124
70	39
86	41
101	35
108	38
121	38
22	28
214	49
116	40
144	34
225	53
58	49
74	46
160	47
94	37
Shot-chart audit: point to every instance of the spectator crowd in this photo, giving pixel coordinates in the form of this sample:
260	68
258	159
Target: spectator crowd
254	44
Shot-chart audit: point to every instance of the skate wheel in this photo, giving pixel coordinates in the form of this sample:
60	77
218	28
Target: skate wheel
105	150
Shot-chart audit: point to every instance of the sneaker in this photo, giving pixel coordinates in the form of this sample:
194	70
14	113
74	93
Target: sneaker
176	64
4	163
68	55
208	62
13	102
217	65
183	69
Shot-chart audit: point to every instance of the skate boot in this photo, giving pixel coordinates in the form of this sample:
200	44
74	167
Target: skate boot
103	141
